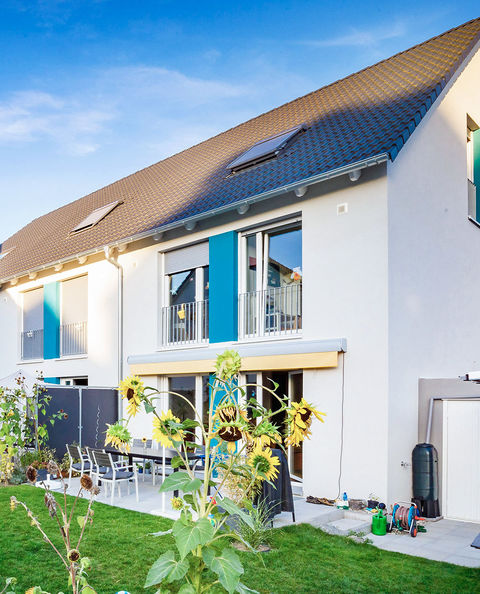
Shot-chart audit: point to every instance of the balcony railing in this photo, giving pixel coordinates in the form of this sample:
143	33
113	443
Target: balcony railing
186	323
32	344
73	339
275	311
472	200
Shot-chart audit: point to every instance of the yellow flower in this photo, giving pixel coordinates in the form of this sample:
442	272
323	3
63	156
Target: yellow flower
132	390
163	428
119	436
176	502
264	463
265	433
299	420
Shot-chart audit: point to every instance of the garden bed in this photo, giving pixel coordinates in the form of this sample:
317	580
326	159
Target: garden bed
303	559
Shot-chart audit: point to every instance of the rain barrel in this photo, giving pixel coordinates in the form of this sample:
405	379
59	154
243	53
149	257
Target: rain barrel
425	479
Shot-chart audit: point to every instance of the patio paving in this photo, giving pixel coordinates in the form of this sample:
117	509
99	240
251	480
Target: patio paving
445	540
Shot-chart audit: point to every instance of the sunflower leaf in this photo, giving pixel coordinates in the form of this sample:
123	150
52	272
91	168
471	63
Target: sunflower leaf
232	508
226	565
180	481
167	567
176	462
189	535
148	407
242	589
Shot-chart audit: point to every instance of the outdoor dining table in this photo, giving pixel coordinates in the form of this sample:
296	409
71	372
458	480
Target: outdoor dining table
162	456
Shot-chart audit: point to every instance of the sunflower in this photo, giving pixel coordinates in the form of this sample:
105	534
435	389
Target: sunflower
299	419
164	427
228	365
232	425
265	433
119	436
132	390
264	463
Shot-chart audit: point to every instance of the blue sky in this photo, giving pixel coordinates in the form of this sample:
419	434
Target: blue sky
93	90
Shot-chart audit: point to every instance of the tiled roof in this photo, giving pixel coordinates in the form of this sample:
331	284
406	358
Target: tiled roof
370	112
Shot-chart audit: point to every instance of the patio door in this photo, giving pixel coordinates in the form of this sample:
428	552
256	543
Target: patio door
295	453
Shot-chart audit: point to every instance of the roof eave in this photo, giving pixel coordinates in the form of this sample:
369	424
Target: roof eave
291	187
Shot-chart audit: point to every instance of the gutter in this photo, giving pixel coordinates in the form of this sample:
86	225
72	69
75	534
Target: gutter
298	187
119	267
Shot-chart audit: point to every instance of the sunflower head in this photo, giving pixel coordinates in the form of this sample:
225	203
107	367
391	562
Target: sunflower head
131	389
13	503
299	420
73	555
264	463
31	473
228	365
166	430
86	482
232	424
177	503
50	504
119	436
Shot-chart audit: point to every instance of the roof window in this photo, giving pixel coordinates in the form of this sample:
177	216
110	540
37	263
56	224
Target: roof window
265	149
95	217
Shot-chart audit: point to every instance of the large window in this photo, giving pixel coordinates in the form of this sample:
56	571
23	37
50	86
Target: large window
32	330
185	310
74	316
473	169
271	284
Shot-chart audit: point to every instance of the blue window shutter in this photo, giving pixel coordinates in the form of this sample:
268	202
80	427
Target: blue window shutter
51	321
223	291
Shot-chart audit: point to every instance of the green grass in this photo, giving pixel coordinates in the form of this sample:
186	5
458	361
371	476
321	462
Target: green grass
304	560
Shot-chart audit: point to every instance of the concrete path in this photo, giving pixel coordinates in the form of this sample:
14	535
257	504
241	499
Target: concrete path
445	540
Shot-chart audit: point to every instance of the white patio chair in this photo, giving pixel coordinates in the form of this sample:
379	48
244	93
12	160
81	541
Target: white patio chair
116	473
83	467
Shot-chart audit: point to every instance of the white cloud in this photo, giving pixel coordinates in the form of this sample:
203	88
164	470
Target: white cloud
361	38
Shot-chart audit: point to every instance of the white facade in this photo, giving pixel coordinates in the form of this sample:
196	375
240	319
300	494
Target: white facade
394	276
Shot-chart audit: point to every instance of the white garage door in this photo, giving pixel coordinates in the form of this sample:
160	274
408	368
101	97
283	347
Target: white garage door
461	460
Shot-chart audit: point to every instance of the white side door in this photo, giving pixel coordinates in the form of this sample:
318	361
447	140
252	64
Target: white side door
461	460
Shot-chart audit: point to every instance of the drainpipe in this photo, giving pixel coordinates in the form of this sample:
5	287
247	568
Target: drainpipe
119	267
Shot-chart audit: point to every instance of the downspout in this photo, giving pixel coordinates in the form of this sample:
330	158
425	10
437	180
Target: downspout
119	267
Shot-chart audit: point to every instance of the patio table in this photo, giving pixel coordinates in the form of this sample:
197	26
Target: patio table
162	456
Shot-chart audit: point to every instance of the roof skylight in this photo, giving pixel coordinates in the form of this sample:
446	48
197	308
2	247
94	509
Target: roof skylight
95	217
265	149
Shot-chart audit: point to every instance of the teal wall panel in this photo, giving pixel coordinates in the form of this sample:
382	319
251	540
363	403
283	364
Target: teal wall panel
51	321
51	380
223	292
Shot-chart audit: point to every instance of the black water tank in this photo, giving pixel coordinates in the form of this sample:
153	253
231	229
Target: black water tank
425	479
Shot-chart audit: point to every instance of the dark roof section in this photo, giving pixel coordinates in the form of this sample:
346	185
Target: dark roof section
365	114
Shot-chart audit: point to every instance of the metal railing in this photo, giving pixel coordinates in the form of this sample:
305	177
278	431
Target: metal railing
276	311
73	339
186	323
32	344
472	200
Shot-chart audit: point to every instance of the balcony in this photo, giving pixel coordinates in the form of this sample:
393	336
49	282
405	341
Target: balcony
73	339
32	344
184	324
273	312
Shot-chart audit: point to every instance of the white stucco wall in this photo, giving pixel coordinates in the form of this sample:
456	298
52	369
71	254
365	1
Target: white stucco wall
345	295
434	265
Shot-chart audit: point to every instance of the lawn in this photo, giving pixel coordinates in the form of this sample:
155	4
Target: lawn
304	560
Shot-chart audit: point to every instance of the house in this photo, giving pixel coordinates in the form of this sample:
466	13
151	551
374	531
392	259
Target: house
333	241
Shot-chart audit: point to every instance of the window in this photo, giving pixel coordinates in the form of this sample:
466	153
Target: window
74	316
271	284
473	168
95	217
185	311
182	409
32	334
265	149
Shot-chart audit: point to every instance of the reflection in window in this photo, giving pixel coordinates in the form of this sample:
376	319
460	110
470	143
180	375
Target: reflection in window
251	263
179	407
251	378
284	258
182	287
